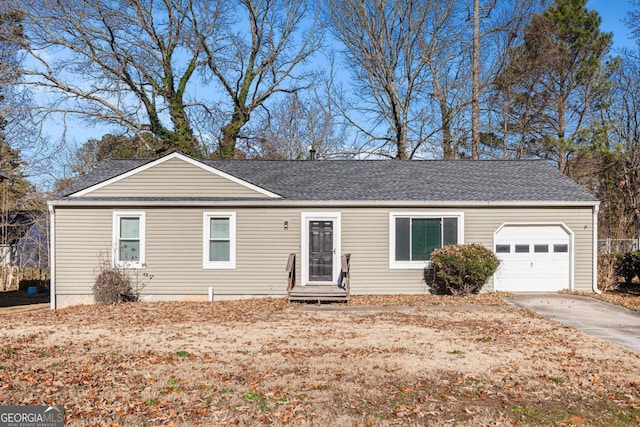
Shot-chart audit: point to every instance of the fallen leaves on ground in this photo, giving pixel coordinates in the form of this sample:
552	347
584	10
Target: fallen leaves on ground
483	299
266	362
623	299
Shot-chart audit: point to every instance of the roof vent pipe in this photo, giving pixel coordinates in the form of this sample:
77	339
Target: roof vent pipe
312	153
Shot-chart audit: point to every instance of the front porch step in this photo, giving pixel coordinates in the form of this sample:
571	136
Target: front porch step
318	293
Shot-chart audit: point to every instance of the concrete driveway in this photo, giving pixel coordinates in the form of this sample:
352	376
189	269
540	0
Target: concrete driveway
599	319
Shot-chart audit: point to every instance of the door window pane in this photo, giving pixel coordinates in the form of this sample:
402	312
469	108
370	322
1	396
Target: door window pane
540	248
520	249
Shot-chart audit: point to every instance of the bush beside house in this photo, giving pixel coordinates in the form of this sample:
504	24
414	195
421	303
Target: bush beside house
460	269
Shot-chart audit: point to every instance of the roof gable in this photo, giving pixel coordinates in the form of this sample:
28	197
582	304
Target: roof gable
174	175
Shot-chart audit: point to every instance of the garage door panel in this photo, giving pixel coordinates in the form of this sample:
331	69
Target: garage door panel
534	258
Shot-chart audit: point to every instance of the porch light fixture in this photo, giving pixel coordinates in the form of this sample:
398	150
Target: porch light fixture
286	224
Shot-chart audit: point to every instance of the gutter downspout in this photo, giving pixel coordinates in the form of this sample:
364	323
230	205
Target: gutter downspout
52	256
596	209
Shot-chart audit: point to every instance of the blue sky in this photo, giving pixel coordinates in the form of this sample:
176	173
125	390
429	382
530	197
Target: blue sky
613	13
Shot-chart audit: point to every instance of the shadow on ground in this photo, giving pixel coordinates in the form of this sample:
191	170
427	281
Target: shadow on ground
18	298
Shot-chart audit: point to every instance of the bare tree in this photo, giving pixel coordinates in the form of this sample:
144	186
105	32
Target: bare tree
261	56
445	53
384	43
294	126
120	63
616	155
475	84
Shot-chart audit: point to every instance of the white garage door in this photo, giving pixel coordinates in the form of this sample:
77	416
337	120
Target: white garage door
534	258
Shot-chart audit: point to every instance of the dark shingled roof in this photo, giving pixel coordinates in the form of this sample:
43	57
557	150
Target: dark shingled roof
386	180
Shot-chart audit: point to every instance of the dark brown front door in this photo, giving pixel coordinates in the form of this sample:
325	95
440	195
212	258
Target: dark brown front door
320	251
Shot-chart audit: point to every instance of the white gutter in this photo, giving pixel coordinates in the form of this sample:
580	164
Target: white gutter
52	255
596	208
318	203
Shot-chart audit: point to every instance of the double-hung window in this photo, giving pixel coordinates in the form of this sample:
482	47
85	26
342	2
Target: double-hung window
219	240
129	239
414	236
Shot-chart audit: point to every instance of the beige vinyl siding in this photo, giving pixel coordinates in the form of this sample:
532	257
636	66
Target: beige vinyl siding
82	241
174	247
175	178
481	223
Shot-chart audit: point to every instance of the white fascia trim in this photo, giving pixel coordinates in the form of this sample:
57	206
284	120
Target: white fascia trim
305	217
317	203
141	263
417	265
52	257
168	157
565	227
218	265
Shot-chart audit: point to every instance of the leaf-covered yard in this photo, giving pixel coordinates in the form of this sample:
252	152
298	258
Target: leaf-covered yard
269	362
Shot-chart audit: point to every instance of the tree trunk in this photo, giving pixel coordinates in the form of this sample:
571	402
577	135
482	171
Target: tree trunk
448	152
475	84
401	134
230	133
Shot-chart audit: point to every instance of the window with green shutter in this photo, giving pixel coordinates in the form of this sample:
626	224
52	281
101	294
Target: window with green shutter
416	237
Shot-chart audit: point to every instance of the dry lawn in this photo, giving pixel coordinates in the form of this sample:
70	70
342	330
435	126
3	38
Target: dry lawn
268	362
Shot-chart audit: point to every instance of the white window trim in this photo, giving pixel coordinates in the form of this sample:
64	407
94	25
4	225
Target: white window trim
305	218
417	265
206	232
116	236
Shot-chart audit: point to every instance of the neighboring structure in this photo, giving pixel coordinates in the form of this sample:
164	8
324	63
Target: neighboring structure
14	225
230	225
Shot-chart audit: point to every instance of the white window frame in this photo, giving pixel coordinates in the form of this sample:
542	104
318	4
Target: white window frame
417	265
117	215
206	232
306	218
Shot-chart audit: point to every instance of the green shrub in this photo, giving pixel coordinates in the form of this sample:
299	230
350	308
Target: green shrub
460	269
628	266
112	286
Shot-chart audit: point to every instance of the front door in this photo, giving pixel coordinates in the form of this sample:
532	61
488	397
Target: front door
321	250
320	244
